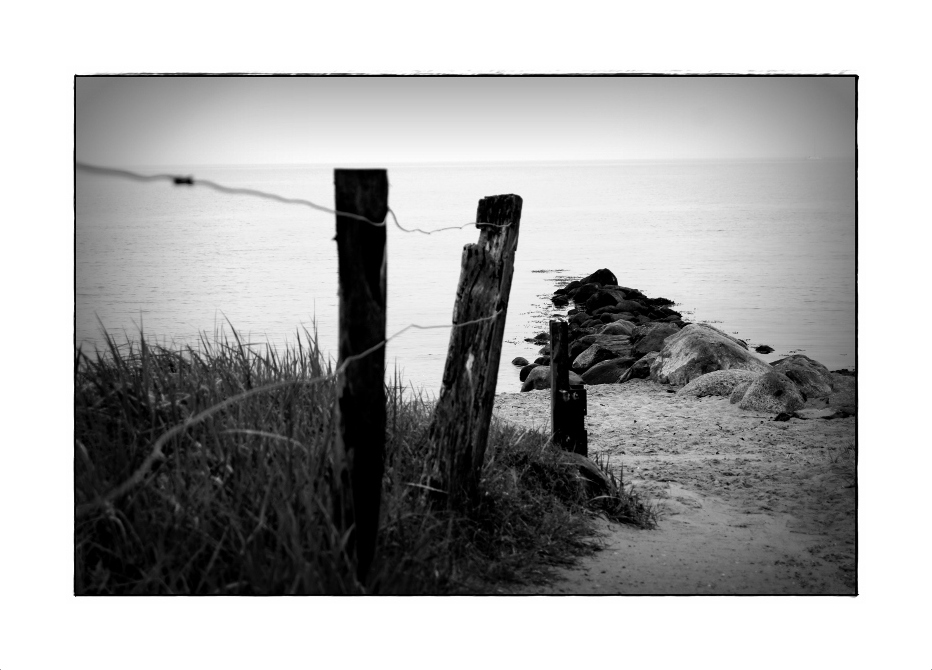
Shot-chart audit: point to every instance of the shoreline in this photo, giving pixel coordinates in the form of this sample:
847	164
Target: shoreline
754	499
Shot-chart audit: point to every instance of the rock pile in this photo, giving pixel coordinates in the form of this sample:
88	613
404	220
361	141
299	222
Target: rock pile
617	334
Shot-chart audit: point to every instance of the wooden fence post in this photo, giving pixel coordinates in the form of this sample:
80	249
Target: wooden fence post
567	403
360	407
459	428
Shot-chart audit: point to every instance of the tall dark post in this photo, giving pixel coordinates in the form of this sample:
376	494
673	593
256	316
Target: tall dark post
559	381
360	409
459	428
567	403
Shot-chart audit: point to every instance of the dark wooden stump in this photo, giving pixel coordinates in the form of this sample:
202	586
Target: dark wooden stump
459	428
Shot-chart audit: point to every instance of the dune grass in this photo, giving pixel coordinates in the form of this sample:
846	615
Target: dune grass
206	470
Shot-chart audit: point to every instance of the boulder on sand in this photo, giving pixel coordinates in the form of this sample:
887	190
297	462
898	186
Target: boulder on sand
640	369
699	349
596	353
772	392
718	383
539	379
811	377
651	337
607	372
520	360
526	370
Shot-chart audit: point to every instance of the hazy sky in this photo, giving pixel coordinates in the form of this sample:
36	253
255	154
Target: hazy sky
209	120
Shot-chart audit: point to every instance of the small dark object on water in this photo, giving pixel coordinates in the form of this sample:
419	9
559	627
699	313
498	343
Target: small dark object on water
763	349
183	180
782	416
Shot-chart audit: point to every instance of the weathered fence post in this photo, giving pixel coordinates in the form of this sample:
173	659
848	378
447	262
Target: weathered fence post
567	403
459	428
360	407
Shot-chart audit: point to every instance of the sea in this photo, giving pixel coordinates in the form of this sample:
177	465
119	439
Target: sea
762	249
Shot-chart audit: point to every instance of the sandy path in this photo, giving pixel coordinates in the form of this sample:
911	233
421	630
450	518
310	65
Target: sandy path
751	506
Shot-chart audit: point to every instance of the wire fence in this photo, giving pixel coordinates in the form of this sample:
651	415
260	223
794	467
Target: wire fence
144	471
187	180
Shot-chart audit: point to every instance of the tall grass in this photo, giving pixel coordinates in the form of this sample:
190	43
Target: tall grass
206	470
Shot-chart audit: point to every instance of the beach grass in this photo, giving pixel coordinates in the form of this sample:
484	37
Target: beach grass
206	470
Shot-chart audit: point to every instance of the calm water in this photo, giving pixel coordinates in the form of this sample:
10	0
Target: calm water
762	249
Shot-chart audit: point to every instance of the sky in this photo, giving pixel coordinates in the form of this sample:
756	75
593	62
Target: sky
141	121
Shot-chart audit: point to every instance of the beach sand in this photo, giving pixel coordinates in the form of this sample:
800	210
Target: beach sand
750	505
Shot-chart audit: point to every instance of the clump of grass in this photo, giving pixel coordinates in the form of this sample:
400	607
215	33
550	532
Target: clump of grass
238	501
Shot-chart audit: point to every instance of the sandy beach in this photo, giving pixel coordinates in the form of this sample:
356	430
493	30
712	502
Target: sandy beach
749	505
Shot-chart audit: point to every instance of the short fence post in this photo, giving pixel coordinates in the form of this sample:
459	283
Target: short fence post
567	402
459	428
360	406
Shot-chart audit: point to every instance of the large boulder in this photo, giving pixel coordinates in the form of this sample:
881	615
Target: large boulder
619	327
718	383
539	379
605	297
603	276
607	372
596	353
651	337
772	392
811	377
699	349
640	369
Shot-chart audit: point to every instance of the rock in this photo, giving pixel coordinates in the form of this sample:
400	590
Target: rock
603	276
594	480
660	313
783	416
718	383
607	372
544	350
526	370
640	369
846	372
542	337
772	392
591	323
596	353
579	318
619	327
631	306
763	348
659	302
520	360
539	378
737	393
651	337
604	297
699	349
584	292
542	360
620	344
811	377
560	300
